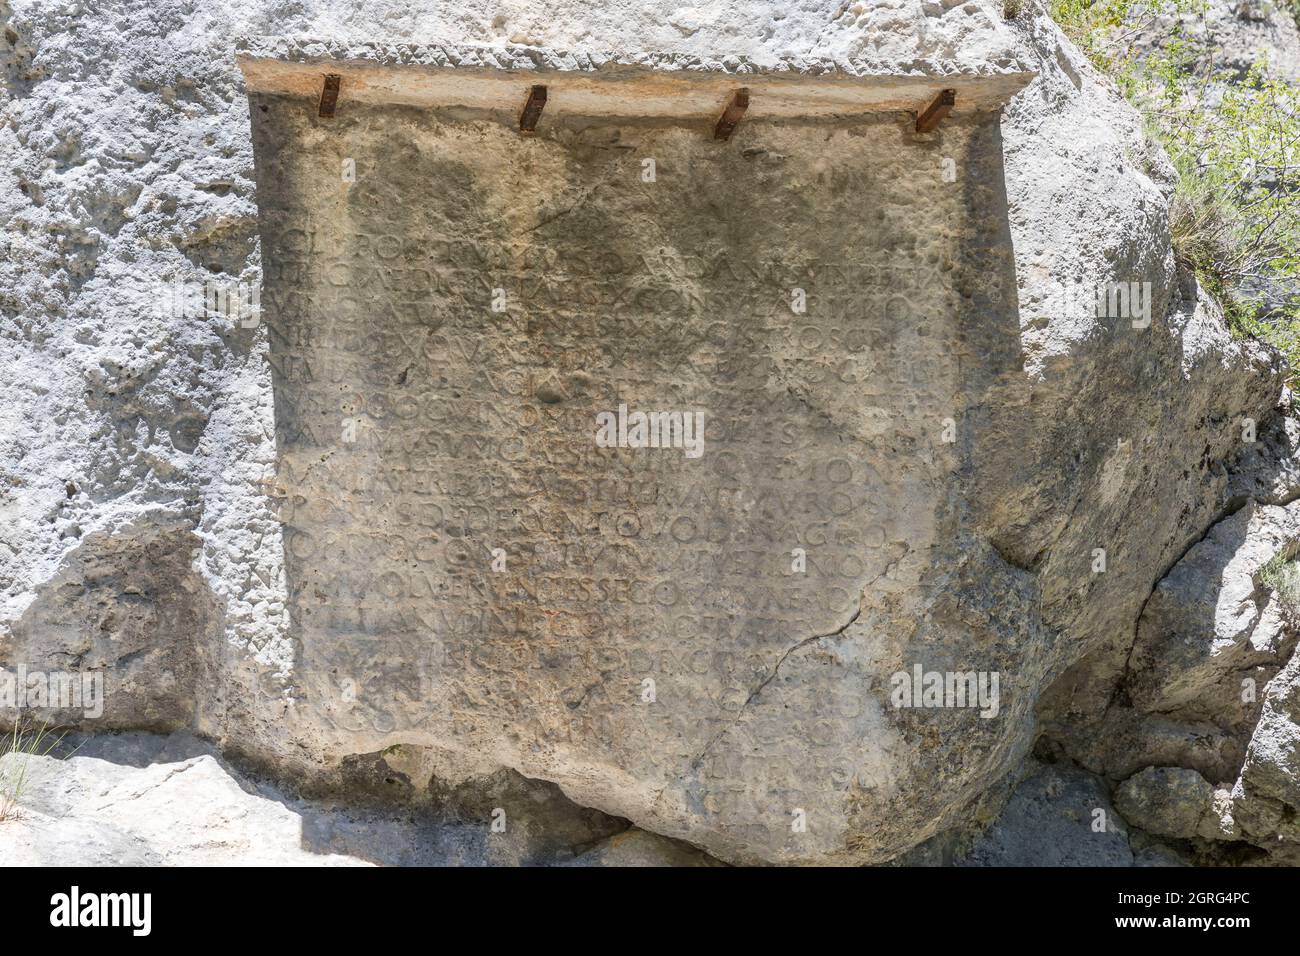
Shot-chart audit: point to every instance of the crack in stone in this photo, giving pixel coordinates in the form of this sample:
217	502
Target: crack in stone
695	763
577	204
1231	509
148	788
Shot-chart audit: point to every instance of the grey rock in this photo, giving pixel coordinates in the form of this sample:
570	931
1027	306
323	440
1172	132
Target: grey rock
1058	816
1232	36
1168	801
1266	796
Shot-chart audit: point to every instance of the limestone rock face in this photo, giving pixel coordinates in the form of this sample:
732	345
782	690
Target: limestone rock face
376	515
1240	33
1266	796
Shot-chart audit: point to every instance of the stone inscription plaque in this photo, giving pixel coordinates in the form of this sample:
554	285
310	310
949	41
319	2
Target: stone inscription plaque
694	634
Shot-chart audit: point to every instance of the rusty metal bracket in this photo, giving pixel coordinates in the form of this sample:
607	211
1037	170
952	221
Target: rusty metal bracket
329	95
532	111
933	114
736	107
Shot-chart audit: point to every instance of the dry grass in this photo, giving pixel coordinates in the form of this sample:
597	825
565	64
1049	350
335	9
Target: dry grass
16	750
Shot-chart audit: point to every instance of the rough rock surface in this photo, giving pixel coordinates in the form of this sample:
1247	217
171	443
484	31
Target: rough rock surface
141	799
1200	733
1058	816
158	471
1266	795
1172	801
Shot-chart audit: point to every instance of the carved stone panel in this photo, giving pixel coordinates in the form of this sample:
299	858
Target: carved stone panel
483	550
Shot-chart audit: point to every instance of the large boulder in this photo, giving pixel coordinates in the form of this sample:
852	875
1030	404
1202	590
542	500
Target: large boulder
1019	472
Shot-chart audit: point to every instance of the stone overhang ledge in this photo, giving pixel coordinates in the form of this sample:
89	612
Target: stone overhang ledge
669	87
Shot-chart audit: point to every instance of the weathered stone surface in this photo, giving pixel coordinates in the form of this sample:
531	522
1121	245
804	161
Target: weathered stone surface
639	848
896	62
634	85
1092	473
115	610
893	39
1058	816
1209	660
1266	796
1169	801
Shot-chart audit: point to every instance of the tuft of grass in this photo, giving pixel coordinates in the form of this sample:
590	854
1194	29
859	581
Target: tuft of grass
1282	576
16	750
1013	8
1206	229
1202	225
